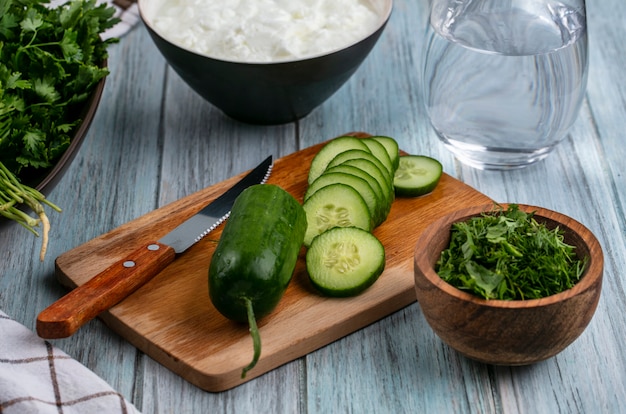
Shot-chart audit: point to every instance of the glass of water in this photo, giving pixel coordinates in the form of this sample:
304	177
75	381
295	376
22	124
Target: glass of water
504	80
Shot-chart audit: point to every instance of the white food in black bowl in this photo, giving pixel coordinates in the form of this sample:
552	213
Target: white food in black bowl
254	72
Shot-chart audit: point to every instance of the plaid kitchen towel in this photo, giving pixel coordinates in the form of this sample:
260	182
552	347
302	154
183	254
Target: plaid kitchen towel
126	10
36	377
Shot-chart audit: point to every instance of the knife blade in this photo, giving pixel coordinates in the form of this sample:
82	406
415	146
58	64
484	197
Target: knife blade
109	287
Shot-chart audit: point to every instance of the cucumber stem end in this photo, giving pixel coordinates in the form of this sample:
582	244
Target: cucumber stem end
256	337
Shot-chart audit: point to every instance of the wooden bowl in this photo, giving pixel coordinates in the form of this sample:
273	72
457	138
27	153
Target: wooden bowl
502	332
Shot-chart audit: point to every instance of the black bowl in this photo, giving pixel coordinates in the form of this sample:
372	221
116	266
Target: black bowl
266	93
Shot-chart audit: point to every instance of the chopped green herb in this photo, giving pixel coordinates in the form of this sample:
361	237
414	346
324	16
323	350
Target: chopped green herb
508	255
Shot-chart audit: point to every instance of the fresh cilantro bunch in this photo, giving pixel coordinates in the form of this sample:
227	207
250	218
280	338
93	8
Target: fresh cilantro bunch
50	61
508	255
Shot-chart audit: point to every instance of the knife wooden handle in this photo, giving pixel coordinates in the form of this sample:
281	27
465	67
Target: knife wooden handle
103	291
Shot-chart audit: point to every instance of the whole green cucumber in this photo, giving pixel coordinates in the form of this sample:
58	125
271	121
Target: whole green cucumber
256	255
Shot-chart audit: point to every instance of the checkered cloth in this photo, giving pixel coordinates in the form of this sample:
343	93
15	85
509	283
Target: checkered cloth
126	10
36	377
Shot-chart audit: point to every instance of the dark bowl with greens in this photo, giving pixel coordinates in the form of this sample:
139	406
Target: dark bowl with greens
521	282
46	179
53	62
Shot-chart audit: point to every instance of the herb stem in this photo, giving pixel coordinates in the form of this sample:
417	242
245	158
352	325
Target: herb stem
13	193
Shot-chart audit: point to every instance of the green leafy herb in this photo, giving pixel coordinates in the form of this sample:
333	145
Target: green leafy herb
50	62
508	255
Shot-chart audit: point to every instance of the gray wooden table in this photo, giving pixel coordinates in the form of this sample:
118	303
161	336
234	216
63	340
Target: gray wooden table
154	140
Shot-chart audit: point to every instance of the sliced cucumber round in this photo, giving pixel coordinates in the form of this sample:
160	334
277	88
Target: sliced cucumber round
371	168
374	204
416	175
336	205
373	182
379	151
361	154
345	261
330	151
392	147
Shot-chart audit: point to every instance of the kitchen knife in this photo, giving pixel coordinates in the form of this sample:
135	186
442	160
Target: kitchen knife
112	285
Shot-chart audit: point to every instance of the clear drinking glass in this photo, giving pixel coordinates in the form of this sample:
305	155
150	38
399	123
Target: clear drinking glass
504	80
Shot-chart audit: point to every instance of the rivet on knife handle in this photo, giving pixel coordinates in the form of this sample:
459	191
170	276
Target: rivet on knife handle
109	287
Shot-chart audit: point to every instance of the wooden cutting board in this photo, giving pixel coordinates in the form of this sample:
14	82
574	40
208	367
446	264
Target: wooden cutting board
172	320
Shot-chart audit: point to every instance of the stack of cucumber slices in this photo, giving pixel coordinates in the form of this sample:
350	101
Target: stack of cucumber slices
352	184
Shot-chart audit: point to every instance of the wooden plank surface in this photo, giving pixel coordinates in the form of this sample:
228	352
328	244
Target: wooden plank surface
171	317
151	126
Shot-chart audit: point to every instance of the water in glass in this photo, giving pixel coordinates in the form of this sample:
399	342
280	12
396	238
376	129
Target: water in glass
504	80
